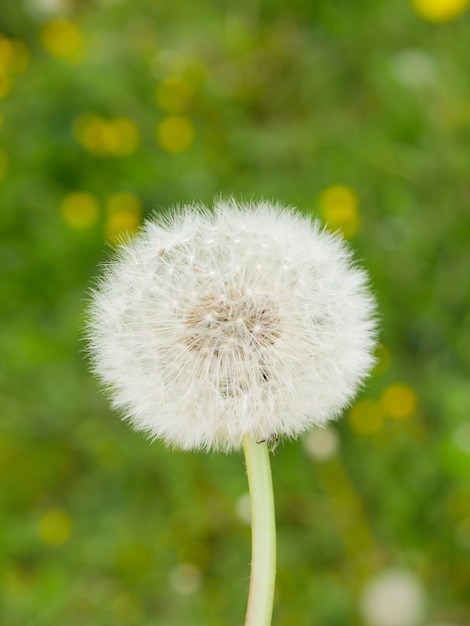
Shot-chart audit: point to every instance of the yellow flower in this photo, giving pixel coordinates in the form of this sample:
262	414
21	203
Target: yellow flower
14	56
439	10
175	133
117	137
95	134
63	39
80	209
55	527
366	416
123	215
128	135
399	401
339	208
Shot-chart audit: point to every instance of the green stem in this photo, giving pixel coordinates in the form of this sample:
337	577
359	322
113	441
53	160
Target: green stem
263	534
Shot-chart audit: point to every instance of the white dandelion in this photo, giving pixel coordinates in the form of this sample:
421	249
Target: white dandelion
237	326
248	320
395	597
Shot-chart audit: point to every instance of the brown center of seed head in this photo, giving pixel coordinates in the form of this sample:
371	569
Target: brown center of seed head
236	324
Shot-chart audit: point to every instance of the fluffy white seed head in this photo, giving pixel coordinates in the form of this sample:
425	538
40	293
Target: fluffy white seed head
248	319
395	597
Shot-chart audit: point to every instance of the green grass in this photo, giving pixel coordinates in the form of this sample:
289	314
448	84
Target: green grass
282	100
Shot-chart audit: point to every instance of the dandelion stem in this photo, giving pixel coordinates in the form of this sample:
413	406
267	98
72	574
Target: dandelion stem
263	529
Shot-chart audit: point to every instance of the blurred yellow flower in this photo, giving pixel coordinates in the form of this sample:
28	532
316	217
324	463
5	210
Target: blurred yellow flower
399	401
14	56
80	209
63	39
123	215
118	137
173	94
339	208
175	133
366	416
55	527
440	10
95	134
128	134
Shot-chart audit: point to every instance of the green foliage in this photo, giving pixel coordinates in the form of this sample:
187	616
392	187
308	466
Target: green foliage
112	110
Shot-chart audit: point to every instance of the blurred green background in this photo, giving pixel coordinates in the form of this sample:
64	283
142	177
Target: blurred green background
357	112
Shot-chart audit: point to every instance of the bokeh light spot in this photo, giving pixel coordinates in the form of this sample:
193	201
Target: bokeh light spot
366	416
185	578
461	437
414	68
321	444
339	208
80	209
123	215
393	598
439	10
14	56
175	133
95	134
100	137
243	508
399	401
63	39
55	527
128	135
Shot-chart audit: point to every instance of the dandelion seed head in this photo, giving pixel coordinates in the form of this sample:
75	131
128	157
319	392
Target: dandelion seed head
248	319
395	597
